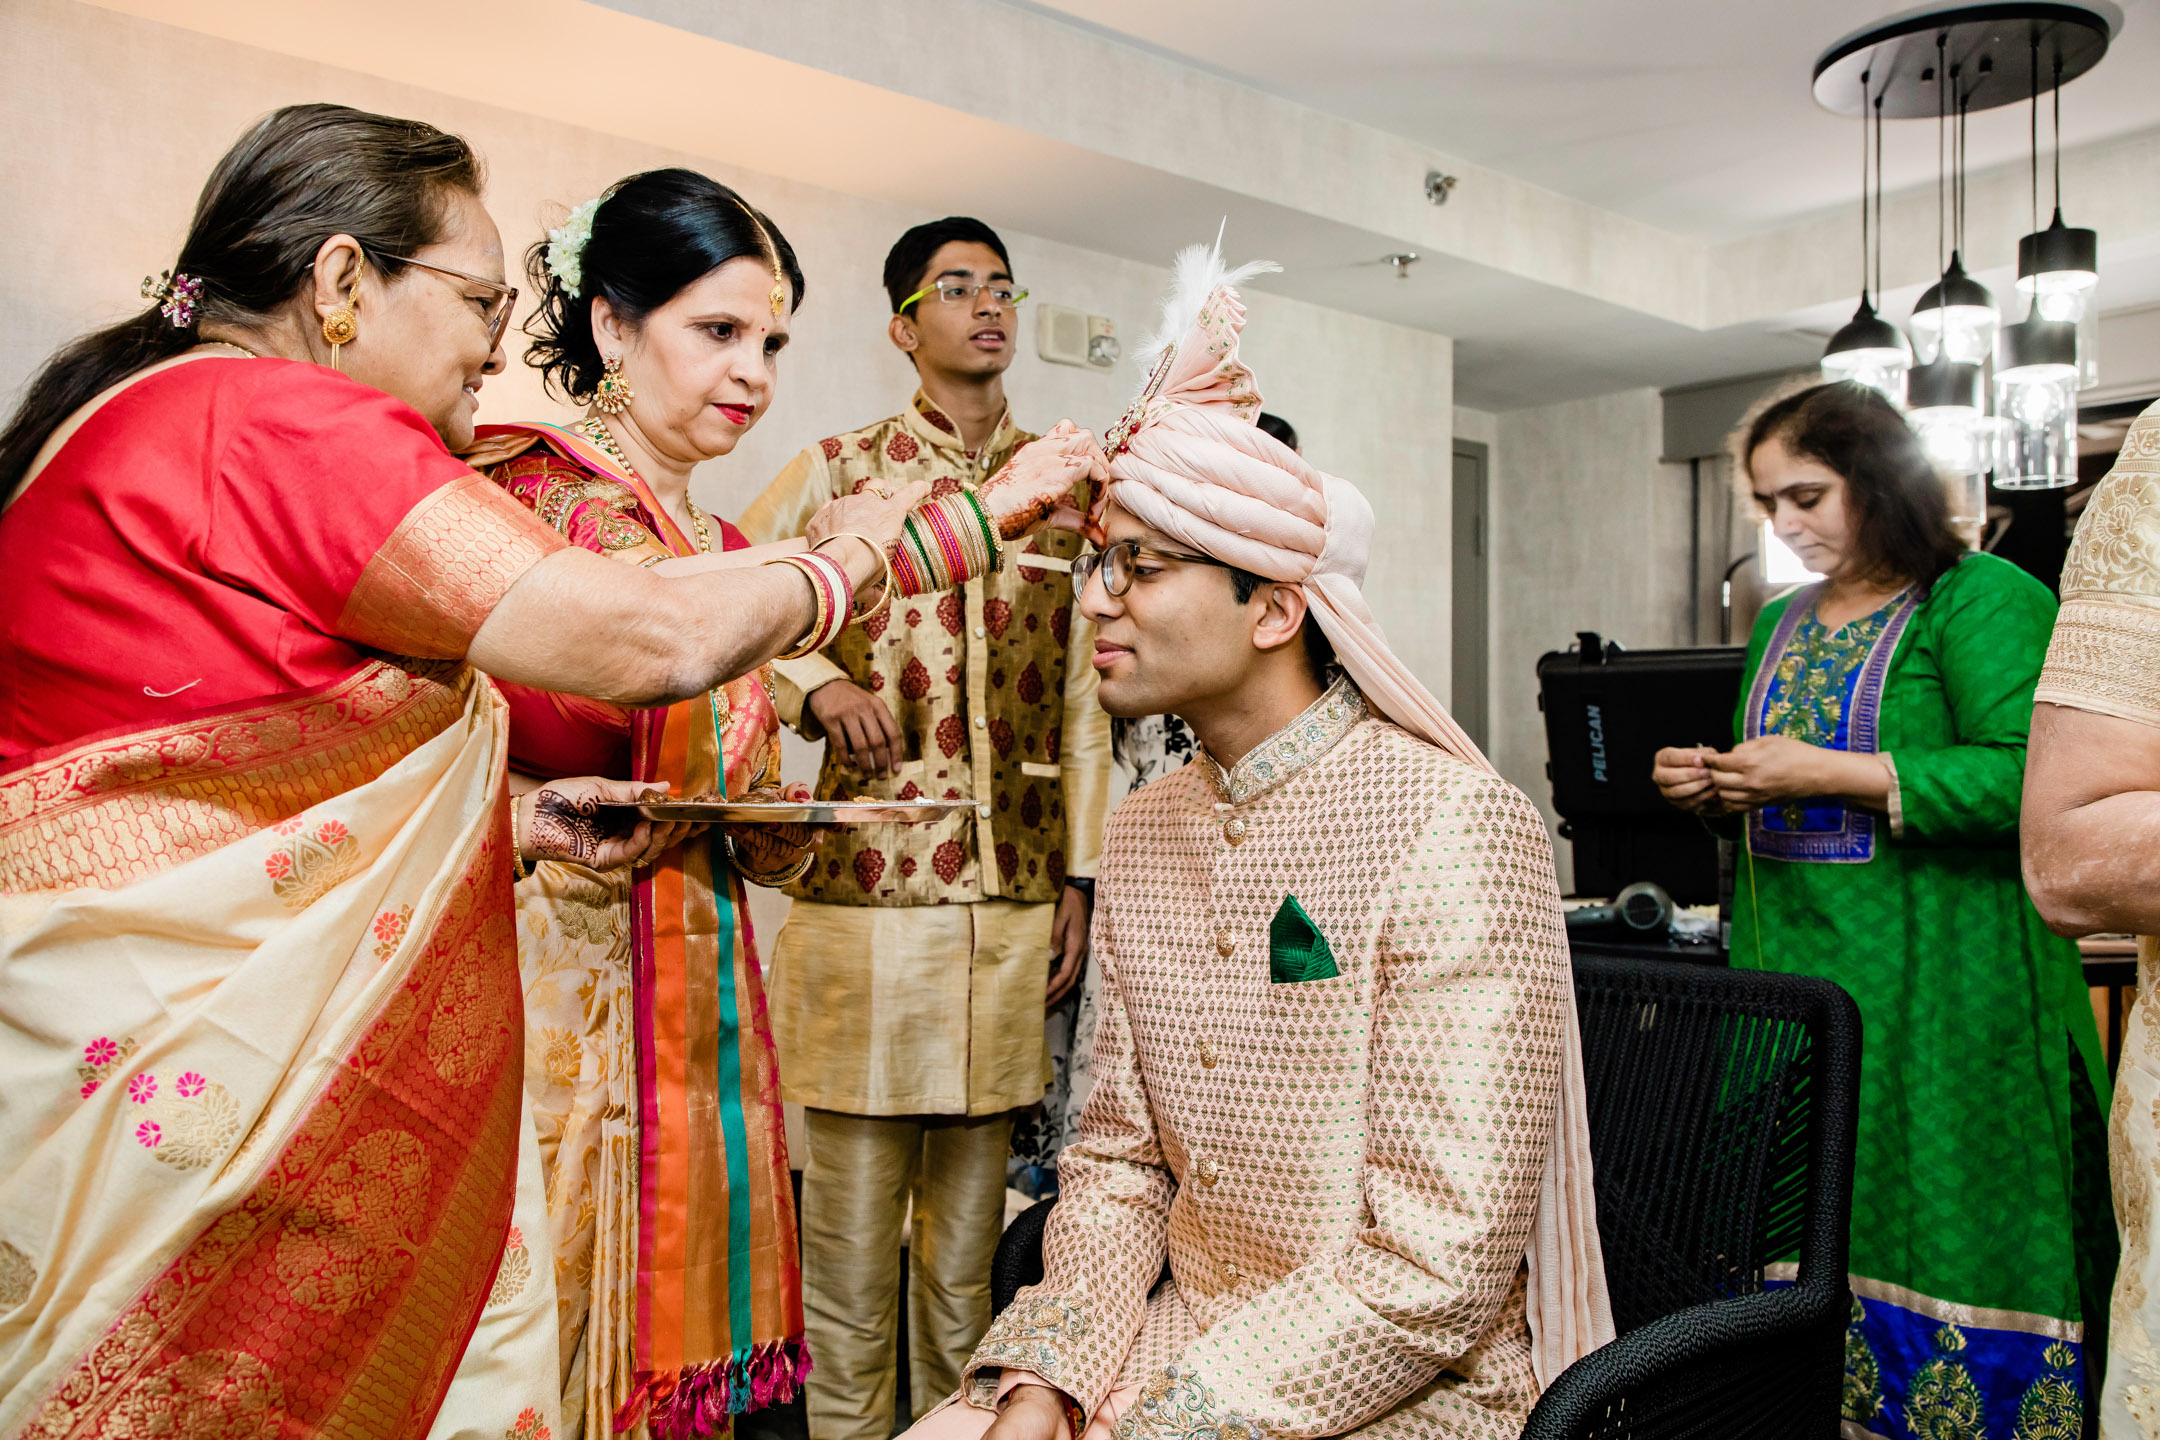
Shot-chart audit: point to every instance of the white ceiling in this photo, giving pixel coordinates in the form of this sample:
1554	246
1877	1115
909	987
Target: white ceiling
1694	115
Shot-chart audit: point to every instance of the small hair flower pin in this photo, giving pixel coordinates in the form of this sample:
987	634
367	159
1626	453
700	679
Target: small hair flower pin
566	246
180	294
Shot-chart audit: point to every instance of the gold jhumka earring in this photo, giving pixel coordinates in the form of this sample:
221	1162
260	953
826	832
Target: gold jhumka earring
613	394
342	326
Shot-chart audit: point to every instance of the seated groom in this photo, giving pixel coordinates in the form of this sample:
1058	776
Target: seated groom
1337	1080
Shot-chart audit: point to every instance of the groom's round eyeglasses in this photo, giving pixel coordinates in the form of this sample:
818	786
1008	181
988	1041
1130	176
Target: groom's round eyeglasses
1120	562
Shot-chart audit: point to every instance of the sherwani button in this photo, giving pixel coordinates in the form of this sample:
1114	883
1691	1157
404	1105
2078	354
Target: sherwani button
1231	1272
1207	1056
980	722
1206	1173
1225	943
1233	830
983	810
978	632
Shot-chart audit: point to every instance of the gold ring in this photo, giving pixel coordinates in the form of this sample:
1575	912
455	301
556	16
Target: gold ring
881	492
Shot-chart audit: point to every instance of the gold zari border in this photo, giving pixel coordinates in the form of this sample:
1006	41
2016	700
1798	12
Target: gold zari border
448	564
2105	657
114	811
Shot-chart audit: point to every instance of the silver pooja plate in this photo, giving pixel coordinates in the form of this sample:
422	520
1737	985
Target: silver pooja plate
790	812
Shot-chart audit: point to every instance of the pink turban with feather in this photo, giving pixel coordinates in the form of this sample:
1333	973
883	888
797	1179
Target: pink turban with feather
1188	461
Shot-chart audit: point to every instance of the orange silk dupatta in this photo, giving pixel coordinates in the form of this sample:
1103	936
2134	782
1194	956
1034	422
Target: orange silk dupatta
719	1324
259	1037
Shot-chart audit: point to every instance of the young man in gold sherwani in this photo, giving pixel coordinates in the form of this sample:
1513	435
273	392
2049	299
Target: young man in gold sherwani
910	978
1337	1084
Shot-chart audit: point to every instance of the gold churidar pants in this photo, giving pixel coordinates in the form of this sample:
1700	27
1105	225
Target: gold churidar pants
862	1171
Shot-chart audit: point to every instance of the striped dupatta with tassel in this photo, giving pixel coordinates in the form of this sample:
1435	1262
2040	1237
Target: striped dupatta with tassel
714	1301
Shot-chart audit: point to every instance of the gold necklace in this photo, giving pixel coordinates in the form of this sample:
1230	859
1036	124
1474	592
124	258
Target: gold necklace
592	429
597	432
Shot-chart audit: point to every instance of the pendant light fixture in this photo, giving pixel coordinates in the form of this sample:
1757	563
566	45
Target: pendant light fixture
1956	318
2036	387
1869	349
2059	267
1945	63
1944	394
1944	401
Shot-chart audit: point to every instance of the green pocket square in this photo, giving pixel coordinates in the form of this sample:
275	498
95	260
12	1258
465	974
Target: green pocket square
1297	951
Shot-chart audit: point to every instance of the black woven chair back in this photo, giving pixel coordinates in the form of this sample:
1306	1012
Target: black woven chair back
1018	1262
1723	1107
1702	1093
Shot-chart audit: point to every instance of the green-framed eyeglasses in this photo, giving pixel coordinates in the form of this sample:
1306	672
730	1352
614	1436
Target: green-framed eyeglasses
958	292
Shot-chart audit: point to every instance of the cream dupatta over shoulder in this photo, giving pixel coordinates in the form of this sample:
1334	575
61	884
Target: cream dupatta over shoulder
259	1038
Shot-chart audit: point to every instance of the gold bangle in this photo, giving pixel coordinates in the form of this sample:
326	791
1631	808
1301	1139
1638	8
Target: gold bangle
830	598
518	868
769	882
884	567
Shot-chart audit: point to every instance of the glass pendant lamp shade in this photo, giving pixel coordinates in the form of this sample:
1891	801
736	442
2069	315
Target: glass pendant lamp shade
2059	267
1968	504
1943	403
1871	351
2036	384
1955	319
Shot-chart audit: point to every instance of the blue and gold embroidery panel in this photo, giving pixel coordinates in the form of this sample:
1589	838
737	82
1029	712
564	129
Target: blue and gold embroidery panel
1957	1373
1824	688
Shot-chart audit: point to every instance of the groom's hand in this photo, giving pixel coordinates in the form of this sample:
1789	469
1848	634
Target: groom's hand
1030	1412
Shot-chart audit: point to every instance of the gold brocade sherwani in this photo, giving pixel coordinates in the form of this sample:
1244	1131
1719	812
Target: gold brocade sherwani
1342	1172
994	689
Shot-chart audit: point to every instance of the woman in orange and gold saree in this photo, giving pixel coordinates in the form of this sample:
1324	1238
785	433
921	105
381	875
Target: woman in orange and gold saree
649	1058
264	1149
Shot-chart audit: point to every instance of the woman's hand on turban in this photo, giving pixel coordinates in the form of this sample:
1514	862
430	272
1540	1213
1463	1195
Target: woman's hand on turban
1043	483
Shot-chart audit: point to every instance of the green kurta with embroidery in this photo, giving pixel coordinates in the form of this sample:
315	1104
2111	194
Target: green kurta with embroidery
1981	1241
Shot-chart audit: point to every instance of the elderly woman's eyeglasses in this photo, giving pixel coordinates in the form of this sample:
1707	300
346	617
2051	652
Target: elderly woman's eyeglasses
1120	563
955	292
495	305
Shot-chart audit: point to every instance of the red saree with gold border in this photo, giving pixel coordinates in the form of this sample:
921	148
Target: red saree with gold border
259	1011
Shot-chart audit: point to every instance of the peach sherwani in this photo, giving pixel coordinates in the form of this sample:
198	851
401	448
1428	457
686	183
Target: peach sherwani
1327	1072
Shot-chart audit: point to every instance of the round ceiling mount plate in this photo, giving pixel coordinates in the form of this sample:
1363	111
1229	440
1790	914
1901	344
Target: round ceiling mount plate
1988	50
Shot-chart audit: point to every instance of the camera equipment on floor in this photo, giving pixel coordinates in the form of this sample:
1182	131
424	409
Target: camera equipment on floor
1643	911
1607	713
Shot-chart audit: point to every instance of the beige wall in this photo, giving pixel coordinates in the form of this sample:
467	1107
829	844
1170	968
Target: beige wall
1590	532
113	127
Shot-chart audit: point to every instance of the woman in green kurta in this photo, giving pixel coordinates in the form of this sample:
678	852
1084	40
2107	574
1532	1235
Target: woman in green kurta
1880	761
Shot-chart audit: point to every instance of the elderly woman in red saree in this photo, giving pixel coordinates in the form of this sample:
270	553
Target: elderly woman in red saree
261	1100
649	1058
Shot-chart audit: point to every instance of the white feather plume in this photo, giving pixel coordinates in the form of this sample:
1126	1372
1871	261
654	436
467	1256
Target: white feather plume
1198	273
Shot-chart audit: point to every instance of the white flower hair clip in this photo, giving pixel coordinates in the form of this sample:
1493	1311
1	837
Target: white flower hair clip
566	246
